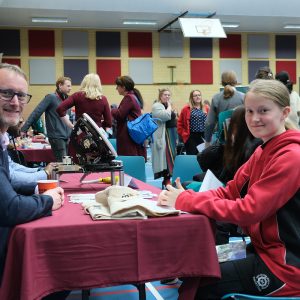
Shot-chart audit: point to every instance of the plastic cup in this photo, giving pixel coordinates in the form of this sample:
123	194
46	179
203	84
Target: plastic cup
45	185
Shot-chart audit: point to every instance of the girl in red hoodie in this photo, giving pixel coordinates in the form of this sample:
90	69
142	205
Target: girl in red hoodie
263	198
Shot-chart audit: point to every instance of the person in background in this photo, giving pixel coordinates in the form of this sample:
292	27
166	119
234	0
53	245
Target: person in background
18	208
57	131
38	127
263	198
284	77
20	174
129	109
264	73
224	160
206	106
163	148
113	132
191	123
89	99
227	99
171	136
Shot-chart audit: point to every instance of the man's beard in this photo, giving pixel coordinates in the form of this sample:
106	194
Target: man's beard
5	124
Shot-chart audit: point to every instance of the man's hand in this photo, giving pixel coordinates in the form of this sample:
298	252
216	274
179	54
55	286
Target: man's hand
58	197
23	134
168	197
48	169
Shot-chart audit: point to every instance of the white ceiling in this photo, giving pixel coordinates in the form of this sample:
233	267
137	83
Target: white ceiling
252	15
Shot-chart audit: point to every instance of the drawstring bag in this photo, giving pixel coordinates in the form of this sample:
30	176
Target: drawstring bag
141	128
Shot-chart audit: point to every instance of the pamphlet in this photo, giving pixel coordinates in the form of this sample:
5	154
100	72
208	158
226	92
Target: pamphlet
201	147
210	182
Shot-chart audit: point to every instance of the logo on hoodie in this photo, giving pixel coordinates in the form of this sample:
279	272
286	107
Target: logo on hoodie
262	281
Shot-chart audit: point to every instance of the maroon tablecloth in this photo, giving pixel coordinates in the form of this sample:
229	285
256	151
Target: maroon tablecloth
70	251
38	155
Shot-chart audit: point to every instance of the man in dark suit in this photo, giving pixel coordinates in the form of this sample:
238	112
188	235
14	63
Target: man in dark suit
17	207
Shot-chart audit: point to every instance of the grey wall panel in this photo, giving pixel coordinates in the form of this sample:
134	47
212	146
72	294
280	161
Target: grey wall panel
76	69
285	46
201	48
258	46
141	71
10	42
253	67
232	65
42	71
108	44
75	43
171	44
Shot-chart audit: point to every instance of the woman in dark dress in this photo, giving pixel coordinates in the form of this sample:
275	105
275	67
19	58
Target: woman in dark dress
129	109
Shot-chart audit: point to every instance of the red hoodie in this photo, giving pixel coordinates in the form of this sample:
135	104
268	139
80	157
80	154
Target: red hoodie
264	199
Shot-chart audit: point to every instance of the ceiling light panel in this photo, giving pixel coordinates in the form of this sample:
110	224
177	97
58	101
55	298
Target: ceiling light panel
230	25
139	22
48	20
292	26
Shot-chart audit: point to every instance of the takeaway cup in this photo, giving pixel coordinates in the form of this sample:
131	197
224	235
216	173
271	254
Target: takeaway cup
45	185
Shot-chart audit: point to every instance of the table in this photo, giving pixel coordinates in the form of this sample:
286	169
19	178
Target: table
71	251
38	155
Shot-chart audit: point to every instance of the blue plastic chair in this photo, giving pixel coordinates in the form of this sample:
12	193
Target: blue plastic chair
223	116
134	166
235	296
114	143
185	167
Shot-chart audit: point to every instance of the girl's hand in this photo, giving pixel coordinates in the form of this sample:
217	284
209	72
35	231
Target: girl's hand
169	196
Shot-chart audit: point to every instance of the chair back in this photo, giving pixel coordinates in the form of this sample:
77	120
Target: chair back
185	167
223	118
114	143
134	166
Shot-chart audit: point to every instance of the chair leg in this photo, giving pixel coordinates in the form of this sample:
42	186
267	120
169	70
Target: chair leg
85	294
142	290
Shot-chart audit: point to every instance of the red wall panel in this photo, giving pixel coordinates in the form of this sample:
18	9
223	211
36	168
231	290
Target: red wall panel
12	61
289	66
41	43
108	70
201	71
140	44
231	46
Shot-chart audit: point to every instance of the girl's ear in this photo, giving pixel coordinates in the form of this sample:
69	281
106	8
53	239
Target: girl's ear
286	111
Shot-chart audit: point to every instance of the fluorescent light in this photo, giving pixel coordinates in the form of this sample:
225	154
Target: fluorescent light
292	26
48	20
230	25
138	22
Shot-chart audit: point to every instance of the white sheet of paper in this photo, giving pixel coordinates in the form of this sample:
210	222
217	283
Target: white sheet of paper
210	182
201	147
127	179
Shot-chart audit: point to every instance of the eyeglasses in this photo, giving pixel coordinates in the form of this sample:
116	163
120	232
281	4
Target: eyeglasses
197	95
7	95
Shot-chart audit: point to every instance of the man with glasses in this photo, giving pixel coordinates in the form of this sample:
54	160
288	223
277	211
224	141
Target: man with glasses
17	208
57	131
